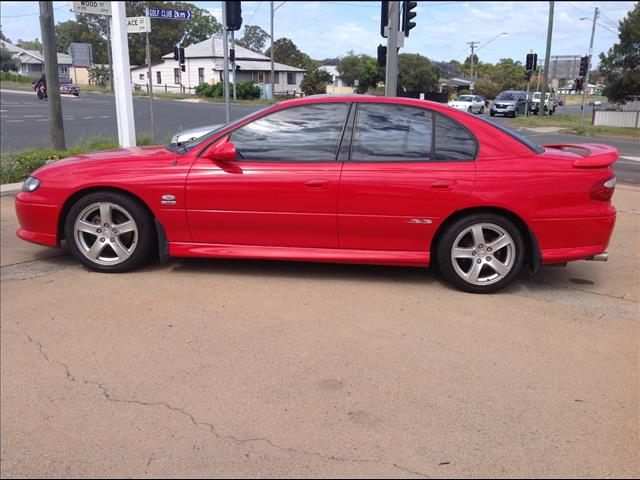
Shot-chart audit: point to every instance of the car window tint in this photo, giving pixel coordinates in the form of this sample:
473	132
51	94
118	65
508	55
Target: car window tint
453	142
391	133
309	133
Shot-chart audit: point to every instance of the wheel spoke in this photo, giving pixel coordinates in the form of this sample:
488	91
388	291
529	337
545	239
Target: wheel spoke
462	253
474	273
501	242
478	236
96	249
105	213
87	227
498	267
129	226
121	251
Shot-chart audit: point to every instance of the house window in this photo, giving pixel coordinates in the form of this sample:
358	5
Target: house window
141	76
159	78
261	77
176	76
291	79
200	76
64	69
276	76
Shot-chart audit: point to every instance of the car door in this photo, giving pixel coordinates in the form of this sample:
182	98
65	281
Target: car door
408	169
281	190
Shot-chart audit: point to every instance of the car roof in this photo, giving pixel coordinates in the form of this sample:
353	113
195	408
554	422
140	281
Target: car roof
351	98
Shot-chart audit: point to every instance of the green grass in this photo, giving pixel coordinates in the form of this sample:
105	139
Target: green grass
571	123
9	85
577	99
17	166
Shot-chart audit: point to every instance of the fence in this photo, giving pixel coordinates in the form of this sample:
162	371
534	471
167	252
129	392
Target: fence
607	118
165	88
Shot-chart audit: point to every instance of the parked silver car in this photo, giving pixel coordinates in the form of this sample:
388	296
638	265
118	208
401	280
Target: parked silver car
510	103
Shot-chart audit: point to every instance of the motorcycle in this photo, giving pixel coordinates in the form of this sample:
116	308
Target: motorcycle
41	90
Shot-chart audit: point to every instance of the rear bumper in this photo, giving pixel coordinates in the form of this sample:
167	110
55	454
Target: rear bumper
38	222
570	239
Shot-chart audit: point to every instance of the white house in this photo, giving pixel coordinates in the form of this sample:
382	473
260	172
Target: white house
31	64
338	86
204	63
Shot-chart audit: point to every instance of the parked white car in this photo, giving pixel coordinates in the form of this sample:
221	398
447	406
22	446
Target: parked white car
468	103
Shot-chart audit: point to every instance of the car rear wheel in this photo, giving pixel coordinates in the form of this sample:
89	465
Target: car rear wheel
481	253
470	110
481	110
109	232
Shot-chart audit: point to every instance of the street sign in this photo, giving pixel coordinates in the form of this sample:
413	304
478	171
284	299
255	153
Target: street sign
138	25
80	54
95	8
170	14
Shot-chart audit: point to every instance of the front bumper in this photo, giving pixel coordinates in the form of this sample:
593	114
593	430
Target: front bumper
38	222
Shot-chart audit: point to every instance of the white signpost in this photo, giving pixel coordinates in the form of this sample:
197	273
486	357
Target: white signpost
138	25
96	8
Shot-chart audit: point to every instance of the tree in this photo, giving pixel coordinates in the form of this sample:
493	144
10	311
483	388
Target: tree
30	44
316	82
3	38
620	64
361	67
486	88
509	74
99	75
7	63
254	38
285	51
82	31
416	73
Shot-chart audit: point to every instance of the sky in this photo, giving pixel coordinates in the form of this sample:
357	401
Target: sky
330	29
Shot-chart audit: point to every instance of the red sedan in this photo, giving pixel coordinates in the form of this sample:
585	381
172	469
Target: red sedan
352	179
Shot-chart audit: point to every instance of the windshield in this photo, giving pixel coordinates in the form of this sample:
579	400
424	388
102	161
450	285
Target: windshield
512	134
200	140
465	98
506	96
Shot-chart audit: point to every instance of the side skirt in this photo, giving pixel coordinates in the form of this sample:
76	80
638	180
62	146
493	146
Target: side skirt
330	255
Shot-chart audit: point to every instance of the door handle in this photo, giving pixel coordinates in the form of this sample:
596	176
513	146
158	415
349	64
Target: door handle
443	184
317	183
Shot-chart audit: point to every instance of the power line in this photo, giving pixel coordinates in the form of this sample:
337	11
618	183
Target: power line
606	28
254	13
31	14
609	21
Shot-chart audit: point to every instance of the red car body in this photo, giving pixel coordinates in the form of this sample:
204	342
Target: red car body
341	211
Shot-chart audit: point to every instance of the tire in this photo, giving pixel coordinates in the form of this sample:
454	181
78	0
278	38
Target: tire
515	113
492	114
481	110
473	268
551	112
470	110
122	245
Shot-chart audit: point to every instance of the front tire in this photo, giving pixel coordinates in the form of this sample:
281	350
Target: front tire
480	253
481	110
109	232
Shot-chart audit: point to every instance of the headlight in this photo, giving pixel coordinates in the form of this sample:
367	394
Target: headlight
31	184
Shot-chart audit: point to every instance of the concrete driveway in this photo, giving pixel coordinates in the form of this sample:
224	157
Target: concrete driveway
207	368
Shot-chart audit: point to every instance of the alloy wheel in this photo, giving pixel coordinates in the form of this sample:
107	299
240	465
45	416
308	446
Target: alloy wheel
483	254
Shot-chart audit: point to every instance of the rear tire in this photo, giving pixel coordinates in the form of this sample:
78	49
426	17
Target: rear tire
109	232
480	253
481	110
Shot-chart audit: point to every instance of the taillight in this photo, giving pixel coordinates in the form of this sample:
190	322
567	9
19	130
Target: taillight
602	190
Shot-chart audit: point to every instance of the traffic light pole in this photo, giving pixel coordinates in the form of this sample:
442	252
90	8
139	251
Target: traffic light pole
225	47
391	77
150	92
547	59
585	86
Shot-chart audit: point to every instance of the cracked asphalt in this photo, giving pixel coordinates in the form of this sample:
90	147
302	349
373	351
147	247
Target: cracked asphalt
211	368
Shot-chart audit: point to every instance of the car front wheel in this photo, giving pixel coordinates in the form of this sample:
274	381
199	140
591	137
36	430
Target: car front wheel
481	253
109	232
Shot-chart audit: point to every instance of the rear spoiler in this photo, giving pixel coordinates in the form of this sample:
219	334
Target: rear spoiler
594	155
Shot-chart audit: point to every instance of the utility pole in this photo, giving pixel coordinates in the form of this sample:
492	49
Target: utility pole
108	20
473	45
391	77
273	93
225	48
233	65
153	130
586	77
547	60
51	71
122	76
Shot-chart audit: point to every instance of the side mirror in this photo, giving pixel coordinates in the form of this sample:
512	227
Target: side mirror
222	152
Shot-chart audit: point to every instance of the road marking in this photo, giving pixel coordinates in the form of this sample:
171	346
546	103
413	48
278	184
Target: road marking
87	118
42	120
32	116
15	121
68	118
105	116
631	159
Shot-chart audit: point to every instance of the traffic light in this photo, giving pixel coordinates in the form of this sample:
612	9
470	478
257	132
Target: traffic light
579	84
384	18
176	53
527	75
584	66
532	61
234	15
232	54
181	55
182	67
407	15
382	55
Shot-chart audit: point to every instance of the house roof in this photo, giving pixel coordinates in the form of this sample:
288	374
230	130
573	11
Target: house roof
331	70
33	56
207	48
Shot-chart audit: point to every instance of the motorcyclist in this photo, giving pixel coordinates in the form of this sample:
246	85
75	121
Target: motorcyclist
41	87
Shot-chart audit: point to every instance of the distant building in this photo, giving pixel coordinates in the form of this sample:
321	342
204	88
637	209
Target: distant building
31	64
204	63
338	86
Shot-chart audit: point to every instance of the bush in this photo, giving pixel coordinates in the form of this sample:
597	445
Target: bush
12	77
244	91
248	91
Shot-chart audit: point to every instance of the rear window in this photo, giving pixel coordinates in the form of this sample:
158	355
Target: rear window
512	134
